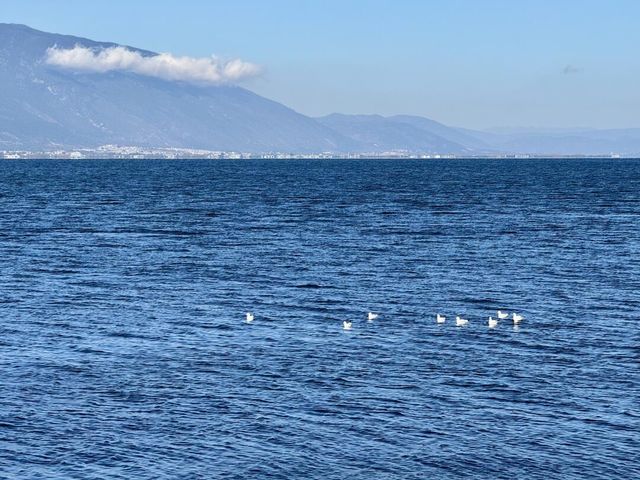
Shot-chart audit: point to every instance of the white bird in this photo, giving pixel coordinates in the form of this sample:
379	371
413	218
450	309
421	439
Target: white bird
346	325
249	317
461	321
502	315
493	323
372	316
517	318
440	318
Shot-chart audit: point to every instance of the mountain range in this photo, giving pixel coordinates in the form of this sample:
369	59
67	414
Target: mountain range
46	108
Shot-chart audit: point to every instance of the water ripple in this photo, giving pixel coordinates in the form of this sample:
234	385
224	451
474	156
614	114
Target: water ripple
124	352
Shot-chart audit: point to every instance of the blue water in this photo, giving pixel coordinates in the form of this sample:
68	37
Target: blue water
124	353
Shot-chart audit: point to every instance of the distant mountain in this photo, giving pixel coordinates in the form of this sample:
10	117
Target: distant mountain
44	108
419	134
538	130
47	108
451	134
414	134
560	141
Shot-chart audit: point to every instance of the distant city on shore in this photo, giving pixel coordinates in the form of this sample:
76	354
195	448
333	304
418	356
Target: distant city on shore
134	153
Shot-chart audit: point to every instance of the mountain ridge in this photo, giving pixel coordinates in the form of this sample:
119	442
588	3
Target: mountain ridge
43	107
47	107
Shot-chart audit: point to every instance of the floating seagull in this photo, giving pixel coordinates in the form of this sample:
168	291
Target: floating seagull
502	315
493	323
517	318
440	318
249	317
461	321
346	325
372	316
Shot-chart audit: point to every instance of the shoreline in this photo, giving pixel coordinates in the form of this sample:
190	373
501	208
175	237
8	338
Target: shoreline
154	154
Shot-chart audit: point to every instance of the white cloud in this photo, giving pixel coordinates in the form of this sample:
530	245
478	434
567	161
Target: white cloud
207	70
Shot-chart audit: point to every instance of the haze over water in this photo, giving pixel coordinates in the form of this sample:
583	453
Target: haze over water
124	352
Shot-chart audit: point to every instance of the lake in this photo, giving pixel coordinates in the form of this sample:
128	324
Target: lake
124	351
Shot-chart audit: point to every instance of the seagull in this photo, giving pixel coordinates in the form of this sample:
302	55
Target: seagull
517	318
249	317
502	315
493	322
461	321
346	325
440	318
372	316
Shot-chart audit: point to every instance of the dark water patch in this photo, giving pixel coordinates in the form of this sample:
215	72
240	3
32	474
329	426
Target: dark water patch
311	285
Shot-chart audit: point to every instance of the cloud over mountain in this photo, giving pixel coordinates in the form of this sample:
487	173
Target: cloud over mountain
46	105
207	70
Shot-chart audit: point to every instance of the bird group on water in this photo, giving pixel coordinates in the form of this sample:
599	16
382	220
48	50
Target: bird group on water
460	322
346	325
491	322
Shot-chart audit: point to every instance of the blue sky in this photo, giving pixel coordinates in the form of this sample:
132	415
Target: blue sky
472	63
